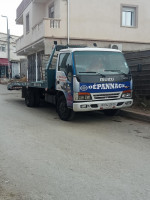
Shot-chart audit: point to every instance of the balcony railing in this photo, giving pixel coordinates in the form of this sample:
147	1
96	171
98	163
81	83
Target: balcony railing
24	4
54	23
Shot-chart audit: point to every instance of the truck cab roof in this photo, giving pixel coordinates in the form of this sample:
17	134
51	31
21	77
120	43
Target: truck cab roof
88	49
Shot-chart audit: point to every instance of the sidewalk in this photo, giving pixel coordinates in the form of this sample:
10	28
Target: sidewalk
136	113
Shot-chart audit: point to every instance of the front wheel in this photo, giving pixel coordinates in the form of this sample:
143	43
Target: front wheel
64	112
111	112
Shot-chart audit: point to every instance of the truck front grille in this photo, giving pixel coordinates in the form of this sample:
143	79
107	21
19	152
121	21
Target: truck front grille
106	96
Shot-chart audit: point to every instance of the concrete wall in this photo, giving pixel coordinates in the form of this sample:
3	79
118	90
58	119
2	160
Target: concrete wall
101	20
38	10
90	21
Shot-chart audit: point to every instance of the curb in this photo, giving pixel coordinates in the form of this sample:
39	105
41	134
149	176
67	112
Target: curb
135	115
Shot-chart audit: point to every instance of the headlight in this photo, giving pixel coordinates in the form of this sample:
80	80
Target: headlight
88	97
81	96
127	94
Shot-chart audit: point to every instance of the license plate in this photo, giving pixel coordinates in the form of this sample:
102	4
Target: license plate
108	105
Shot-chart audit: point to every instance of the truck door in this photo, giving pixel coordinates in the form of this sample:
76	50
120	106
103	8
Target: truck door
64	77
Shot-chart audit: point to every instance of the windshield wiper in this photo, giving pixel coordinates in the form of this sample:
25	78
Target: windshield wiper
113	70
88	72
101	74
97	73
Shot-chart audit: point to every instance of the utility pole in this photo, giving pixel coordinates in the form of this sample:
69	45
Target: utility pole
8	46
68	20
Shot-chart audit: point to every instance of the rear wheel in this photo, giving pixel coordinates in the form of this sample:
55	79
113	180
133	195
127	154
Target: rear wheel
64	112
37	98
111	112
30	98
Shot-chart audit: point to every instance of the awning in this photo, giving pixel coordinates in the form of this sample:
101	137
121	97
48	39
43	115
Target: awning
4	61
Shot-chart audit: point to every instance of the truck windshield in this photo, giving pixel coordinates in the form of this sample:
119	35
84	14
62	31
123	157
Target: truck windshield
100	62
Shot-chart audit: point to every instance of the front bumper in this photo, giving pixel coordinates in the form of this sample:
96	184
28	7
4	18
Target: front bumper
101	105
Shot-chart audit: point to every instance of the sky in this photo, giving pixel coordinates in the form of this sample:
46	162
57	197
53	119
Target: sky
8	8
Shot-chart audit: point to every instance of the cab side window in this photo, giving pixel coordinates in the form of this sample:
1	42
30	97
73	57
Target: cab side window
65	65
69	61
63	62
69	68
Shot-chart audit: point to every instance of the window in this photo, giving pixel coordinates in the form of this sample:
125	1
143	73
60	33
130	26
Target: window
51	11
100	62
14	49
129	16
63	62
27	24
3	48
65	65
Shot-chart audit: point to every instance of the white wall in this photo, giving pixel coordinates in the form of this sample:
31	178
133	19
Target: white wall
100	19
38	10
97	20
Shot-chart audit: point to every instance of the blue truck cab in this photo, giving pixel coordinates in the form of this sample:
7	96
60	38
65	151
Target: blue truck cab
90	79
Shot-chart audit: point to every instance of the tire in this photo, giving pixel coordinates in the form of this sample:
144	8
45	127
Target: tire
111	112
63	111
36	98
30	98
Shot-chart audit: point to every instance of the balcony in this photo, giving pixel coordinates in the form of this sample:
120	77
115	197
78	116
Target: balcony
47	28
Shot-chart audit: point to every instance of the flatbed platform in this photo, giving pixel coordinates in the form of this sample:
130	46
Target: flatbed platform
16	85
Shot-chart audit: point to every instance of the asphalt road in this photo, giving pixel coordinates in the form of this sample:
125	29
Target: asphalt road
94	157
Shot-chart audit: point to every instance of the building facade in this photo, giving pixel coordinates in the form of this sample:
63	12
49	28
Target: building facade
122	24
14	58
